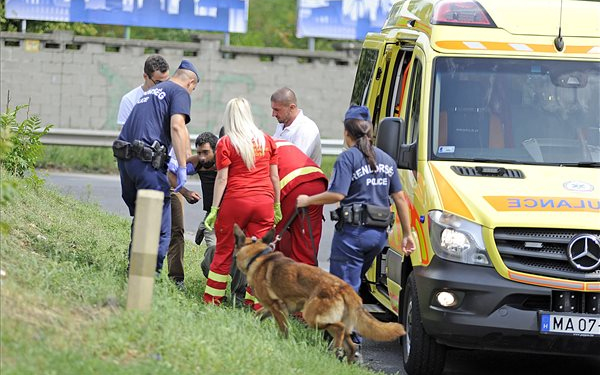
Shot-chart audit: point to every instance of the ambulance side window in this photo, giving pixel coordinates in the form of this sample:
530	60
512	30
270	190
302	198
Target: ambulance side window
397	91
413	111
364	76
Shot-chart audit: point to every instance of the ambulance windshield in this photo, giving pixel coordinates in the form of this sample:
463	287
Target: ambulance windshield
525	111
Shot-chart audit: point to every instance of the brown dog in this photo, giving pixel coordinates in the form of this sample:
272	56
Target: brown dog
327	302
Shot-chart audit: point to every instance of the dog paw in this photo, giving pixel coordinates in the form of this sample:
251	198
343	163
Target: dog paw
339	353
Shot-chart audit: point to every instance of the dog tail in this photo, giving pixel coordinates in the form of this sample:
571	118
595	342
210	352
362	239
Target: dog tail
373	329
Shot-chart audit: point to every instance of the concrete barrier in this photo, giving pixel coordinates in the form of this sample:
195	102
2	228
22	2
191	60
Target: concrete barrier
77	82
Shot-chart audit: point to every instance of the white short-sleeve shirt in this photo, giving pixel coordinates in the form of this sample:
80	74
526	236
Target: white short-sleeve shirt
304	133
127	102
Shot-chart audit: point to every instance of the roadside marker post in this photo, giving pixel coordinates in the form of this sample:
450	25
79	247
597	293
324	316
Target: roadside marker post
144	249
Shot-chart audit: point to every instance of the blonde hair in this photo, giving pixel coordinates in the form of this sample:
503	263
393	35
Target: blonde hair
243	133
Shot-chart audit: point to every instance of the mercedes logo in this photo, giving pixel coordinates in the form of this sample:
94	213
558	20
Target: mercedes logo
584	252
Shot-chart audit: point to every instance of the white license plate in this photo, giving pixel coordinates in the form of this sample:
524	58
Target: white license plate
570	324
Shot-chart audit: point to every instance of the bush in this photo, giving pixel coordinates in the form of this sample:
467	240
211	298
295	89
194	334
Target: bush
20	147
21	144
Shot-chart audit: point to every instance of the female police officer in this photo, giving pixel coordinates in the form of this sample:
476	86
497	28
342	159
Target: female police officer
363	179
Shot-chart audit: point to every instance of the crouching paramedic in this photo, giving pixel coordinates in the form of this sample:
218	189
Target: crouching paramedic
299	174
157	122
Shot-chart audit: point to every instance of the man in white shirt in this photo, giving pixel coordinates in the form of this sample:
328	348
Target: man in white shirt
156	70
294	126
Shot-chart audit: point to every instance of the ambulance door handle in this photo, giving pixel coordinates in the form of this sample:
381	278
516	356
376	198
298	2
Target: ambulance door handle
411	23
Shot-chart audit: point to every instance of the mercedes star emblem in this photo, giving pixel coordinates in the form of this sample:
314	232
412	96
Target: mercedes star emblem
584	252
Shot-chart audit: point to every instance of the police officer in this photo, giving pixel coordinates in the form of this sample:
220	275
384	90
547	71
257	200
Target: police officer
363	179
156	123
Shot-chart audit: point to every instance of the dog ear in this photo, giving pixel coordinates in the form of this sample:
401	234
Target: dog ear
269	237
240	237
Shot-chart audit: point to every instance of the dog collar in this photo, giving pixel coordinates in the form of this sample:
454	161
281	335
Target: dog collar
266	251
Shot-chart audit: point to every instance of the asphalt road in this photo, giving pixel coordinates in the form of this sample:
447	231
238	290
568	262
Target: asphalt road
385	357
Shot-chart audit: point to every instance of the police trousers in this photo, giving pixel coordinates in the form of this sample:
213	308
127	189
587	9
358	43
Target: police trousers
136	175
353	250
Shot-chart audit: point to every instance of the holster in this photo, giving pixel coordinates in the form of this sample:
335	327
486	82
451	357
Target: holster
160	158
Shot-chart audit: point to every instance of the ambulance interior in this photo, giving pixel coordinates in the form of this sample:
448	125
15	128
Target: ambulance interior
518	111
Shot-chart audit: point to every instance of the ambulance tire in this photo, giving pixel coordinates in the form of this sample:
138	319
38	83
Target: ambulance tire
421	354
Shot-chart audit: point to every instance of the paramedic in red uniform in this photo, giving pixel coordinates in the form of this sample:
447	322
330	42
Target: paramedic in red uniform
246	191
299	175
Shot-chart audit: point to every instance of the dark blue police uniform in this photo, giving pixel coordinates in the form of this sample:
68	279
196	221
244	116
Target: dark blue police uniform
355	247
150	121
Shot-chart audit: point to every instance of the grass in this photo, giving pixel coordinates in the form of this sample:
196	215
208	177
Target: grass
101	160
64	291
78	158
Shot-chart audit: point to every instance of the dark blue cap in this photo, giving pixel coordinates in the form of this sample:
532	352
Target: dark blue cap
359	112
187	65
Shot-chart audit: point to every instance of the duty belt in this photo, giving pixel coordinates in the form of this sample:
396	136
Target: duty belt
155	154
362	214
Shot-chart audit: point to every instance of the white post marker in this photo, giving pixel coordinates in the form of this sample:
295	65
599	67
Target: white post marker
144	249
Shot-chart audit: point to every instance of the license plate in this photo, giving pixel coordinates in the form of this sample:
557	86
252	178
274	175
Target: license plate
570	324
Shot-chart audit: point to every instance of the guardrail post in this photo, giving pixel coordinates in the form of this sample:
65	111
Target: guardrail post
144	249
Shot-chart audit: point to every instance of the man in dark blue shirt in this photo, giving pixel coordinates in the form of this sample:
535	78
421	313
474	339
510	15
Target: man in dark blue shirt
157	123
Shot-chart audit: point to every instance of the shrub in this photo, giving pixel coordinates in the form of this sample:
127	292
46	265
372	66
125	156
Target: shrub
21	144
20	147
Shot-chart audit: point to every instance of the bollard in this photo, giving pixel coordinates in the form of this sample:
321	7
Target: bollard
144	248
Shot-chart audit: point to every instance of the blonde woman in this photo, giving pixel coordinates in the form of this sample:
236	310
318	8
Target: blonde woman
246	192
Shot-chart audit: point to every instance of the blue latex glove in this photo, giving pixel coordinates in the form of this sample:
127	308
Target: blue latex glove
181	178
172	166
211	218
189	167
277	209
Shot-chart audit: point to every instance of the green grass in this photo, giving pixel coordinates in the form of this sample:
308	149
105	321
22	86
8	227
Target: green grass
63	296
77	158
101	160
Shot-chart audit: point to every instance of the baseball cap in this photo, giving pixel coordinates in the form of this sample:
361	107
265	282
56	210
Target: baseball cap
359	112
187	65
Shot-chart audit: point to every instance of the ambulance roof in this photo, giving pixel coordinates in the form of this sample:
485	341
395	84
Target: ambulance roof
519	26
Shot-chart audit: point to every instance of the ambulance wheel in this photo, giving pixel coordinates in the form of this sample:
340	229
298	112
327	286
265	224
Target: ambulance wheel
421	354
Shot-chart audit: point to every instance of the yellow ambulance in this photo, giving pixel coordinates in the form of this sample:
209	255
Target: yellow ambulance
492	111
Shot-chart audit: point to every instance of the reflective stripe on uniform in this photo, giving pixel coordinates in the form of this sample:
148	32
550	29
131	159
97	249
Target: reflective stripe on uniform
298	172
214	292
250	297
218	277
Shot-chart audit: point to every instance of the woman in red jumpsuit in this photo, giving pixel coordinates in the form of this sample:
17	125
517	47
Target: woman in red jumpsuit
246	191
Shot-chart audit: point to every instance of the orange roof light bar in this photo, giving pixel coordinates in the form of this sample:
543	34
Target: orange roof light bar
461	13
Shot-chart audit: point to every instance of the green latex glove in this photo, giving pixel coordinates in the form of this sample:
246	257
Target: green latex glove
277	209
209	222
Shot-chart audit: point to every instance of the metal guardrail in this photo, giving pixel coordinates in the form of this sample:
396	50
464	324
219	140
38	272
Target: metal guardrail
105	138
